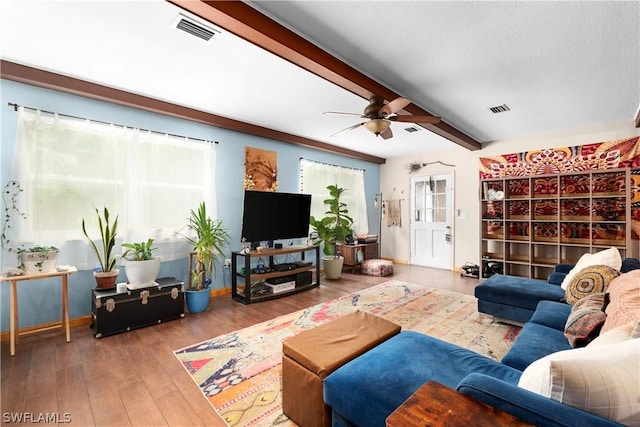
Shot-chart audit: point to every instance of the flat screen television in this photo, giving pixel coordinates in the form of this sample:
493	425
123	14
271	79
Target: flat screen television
269	216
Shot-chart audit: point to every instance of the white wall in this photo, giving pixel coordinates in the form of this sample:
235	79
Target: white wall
394	175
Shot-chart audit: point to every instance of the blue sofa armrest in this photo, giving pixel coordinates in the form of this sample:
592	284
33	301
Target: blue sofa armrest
563	268
559	273
525	405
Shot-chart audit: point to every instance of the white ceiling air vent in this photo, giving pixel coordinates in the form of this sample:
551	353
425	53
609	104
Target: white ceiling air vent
499	109
193	27
412	129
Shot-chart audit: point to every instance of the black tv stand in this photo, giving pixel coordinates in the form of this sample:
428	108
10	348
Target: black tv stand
248	287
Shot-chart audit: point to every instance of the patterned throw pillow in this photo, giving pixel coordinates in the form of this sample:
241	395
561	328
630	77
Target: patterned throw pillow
590	280
586	319
610	257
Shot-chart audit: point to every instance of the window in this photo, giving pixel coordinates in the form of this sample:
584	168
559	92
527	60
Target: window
68	166
316	176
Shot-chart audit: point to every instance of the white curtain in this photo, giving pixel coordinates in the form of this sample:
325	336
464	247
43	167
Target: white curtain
316	176
68	166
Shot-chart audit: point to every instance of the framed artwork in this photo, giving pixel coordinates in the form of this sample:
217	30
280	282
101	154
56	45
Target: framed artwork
260	169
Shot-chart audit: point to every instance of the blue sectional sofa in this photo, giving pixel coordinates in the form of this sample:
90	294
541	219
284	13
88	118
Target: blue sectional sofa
365	391
514	299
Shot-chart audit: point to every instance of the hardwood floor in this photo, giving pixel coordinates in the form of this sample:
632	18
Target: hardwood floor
134	378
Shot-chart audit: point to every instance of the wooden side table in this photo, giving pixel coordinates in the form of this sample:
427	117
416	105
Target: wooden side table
13	310
353	255
436	405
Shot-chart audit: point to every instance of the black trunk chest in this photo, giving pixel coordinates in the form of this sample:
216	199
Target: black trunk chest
115	312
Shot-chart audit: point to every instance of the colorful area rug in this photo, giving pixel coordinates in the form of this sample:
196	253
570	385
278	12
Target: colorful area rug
239	373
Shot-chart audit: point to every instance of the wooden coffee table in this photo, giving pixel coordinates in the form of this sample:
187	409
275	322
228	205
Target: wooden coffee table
436	405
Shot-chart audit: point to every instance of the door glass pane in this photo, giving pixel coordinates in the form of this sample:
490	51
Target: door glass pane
419	202
440	215
428	216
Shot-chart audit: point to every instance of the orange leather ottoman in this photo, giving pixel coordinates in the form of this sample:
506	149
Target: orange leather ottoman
313	354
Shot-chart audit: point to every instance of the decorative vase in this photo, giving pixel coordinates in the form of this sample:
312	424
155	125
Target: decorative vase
106	280
142	273
197	301
332	267
39	262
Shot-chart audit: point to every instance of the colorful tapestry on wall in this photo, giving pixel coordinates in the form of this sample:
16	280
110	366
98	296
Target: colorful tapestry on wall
622	153
260	169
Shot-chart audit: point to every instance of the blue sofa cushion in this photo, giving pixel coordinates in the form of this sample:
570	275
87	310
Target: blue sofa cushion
629	264
552	314
534	342
517	291
369	388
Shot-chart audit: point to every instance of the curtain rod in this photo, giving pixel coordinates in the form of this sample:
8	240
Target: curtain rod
331	164
16	106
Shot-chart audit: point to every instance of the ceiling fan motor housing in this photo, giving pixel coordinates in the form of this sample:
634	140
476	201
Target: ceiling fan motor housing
372	110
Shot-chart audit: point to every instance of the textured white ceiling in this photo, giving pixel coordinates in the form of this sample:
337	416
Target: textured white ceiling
557	65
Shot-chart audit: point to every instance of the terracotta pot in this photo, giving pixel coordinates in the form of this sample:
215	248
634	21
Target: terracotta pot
106	280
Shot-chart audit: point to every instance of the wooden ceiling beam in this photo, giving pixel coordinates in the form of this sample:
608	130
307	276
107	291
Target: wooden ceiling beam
46	79
248	23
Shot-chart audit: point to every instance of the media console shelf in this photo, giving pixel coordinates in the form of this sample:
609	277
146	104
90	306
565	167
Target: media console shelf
248	286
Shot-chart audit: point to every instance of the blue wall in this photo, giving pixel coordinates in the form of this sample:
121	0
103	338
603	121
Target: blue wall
36	297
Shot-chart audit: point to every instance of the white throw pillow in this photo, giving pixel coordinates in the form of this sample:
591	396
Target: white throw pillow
603	380
616	335
609	257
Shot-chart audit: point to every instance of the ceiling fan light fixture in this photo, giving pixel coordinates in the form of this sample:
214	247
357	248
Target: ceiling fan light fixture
377	126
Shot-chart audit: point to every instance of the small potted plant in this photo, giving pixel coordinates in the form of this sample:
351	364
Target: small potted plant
140	266
38	259
332	229
210	239
107	275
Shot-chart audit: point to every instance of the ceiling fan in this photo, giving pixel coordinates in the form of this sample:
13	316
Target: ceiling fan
381	115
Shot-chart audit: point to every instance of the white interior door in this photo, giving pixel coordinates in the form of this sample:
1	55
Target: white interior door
431	221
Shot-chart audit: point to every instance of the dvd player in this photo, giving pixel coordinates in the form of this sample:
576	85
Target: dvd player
303	263
285	266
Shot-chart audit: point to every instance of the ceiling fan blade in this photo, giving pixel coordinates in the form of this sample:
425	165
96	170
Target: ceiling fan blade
343	114
395	105
350	128
387	134
415	119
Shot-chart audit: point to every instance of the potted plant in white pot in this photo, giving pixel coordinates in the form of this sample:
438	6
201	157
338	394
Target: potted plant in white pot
107	275
210	239
332	229
38	259
140	266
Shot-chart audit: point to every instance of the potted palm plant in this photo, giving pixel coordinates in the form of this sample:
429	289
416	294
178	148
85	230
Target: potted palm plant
107	275
140	266
332	229
210	239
